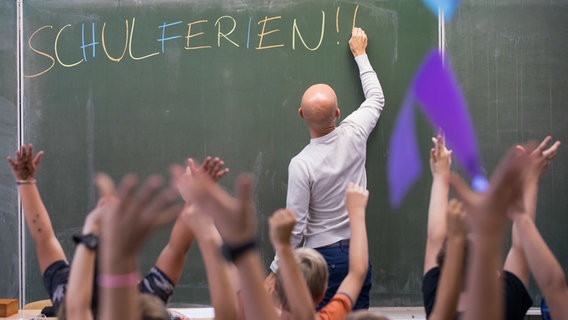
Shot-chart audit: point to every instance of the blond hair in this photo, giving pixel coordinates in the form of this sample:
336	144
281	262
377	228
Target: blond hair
314	269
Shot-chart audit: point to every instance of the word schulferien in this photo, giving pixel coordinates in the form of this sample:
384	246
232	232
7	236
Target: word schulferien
225	28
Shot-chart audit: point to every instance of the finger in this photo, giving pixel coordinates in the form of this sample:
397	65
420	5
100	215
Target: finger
543	144
23	152
163	208
12	163
105	185
147	192
550	153
126	189
221	174
37	158
193	168
206	164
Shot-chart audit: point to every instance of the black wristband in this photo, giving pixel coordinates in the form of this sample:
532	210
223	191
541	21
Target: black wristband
232	253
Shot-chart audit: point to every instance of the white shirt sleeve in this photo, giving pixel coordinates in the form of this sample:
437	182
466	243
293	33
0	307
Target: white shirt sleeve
367	115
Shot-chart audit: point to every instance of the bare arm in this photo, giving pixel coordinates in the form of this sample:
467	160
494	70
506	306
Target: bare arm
127	224
235	219
221	290
80	285
451	277
300	301
440	162
487	217
539	158
547	271
356	201
173	256
48	249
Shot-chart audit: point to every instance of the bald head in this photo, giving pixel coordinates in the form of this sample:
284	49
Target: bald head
319	107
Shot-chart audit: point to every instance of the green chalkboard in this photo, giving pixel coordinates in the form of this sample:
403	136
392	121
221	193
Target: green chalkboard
127	104
9	270
510	57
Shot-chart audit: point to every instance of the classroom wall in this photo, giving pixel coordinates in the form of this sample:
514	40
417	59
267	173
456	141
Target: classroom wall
238	98
9	271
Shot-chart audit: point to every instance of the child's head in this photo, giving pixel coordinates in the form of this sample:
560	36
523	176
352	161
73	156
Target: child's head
366	315
313	268
152	308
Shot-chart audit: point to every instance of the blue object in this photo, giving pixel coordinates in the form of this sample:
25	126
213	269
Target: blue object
479	183
544	310
448	7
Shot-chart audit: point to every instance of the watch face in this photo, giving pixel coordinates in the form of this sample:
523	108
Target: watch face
90	241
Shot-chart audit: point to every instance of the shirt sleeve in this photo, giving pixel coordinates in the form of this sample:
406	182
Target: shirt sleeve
366	116
297	201
338	307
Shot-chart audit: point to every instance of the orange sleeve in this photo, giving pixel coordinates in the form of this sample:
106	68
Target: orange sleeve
337	308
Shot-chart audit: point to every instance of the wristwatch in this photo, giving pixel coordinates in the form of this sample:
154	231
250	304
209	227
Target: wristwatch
90	240
232	253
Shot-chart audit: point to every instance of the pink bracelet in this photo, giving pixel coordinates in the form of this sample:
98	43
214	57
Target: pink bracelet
118	280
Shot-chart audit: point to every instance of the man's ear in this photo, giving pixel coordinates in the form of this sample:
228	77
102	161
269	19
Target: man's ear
337	113
300	112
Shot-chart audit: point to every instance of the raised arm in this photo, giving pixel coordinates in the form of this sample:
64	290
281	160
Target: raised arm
356	201
367	115
24	166
545	268
300	303
127	223
173	256
221	291
440	162
235	219
451	277
539	158
79	293
487	215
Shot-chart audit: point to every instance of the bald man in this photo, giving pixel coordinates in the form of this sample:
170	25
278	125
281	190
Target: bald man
319	174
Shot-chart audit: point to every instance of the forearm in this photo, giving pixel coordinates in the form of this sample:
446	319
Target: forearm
300	301
80	285
35	214
256	300
485	289
545	268
437	222
450	283
370	82
221	291
118	302
173	256
358	258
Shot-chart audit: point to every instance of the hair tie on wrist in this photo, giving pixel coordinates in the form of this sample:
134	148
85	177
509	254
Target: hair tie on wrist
118	280
24	181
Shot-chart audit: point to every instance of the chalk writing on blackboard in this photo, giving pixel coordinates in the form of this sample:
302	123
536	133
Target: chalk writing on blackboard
226	29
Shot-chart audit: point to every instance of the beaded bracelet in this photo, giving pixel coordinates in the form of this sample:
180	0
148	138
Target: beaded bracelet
24	181
119	280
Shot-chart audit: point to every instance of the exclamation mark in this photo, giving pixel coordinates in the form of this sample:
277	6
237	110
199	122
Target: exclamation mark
337	24
355	16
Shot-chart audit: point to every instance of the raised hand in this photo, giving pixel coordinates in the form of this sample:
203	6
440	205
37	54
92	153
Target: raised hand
234	217
281	224
213	167
358	42
541	157
137	212
356	199
440	156
25	164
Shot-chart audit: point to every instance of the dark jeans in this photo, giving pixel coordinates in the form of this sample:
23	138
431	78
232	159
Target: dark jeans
337	258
